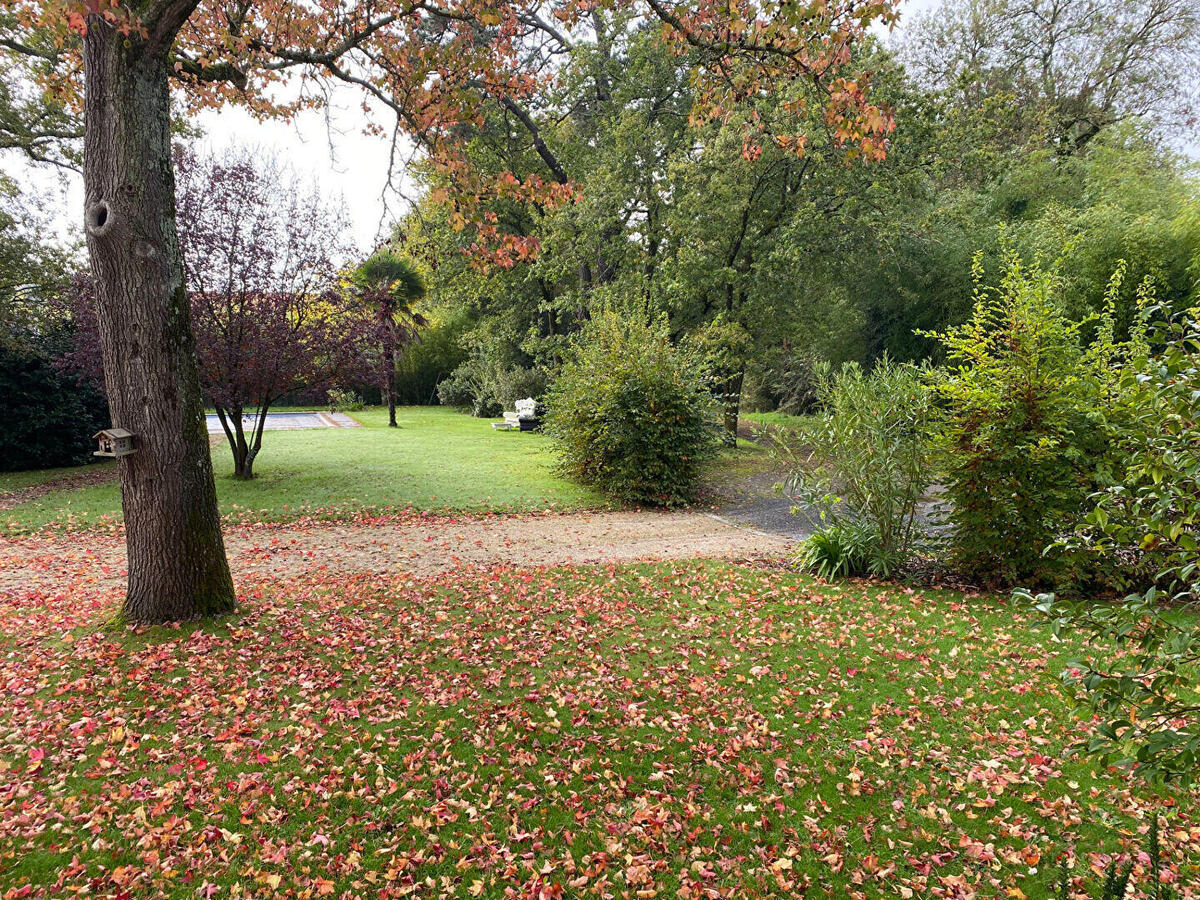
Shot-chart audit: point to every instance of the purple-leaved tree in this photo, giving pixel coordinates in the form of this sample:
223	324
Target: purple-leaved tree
262	256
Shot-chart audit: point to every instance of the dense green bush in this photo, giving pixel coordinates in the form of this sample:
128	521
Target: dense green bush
466	388
1151	514
487	389
511	385
1145	691
782	380
344	400
864	460
1025	432
630	414
724	346
50	416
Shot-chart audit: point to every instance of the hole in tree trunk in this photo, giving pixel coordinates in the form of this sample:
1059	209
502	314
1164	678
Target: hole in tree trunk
99	218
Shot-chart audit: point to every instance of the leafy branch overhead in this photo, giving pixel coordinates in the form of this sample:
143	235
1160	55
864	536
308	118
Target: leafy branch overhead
438	68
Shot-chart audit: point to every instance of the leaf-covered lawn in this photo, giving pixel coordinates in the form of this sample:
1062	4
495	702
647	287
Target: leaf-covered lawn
666	730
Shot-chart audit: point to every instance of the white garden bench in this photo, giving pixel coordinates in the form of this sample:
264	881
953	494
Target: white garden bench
524	419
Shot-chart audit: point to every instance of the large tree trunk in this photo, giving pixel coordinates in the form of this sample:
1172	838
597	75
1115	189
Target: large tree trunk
177	566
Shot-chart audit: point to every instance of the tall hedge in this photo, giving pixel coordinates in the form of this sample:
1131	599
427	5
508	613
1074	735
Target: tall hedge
50	416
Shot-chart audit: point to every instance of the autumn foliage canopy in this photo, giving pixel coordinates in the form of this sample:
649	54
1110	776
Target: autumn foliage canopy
436	66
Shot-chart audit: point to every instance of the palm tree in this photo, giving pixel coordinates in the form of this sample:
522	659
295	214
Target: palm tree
391	285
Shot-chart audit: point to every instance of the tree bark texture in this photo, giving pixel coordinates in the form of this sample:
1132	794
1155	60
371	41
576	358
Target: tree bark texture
389	363
177	565
731	402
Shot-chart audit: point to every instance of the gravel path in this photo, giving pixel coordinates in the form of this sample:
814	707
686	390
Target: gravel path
418	544
753	503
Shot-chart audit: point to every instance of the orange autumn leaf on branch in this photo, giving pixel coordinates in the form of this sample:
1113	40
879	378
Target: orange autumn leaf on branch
437	68
749	50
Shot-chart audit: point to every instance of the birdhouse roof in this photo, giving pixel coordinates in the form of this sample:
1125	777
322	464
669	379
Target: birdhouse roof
113	433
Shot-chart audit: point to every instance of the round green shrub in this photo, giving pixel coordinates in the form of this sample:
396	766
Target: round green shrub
517	383
631	414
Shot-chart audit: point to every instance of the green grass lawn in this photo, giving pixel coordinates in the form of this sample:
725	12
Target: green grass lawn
667	730
437	459
774	419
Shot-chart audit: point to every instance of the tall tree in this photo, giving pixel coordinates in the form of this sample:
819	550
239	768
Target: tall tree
38	123
429	63
31	271
1067	69
390	286
682	216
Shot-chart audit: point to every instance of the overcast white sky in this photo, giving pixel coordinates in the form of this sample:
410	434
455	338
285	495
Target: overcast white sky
328	146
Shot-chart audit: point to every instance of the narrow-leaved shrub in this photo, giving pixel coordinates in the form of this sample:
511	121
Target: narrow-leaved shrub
487	387
518	383
864	459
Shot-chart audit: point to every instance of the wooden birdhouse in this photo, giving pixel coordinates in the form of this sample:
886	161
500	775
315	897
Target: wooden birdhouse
114	442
